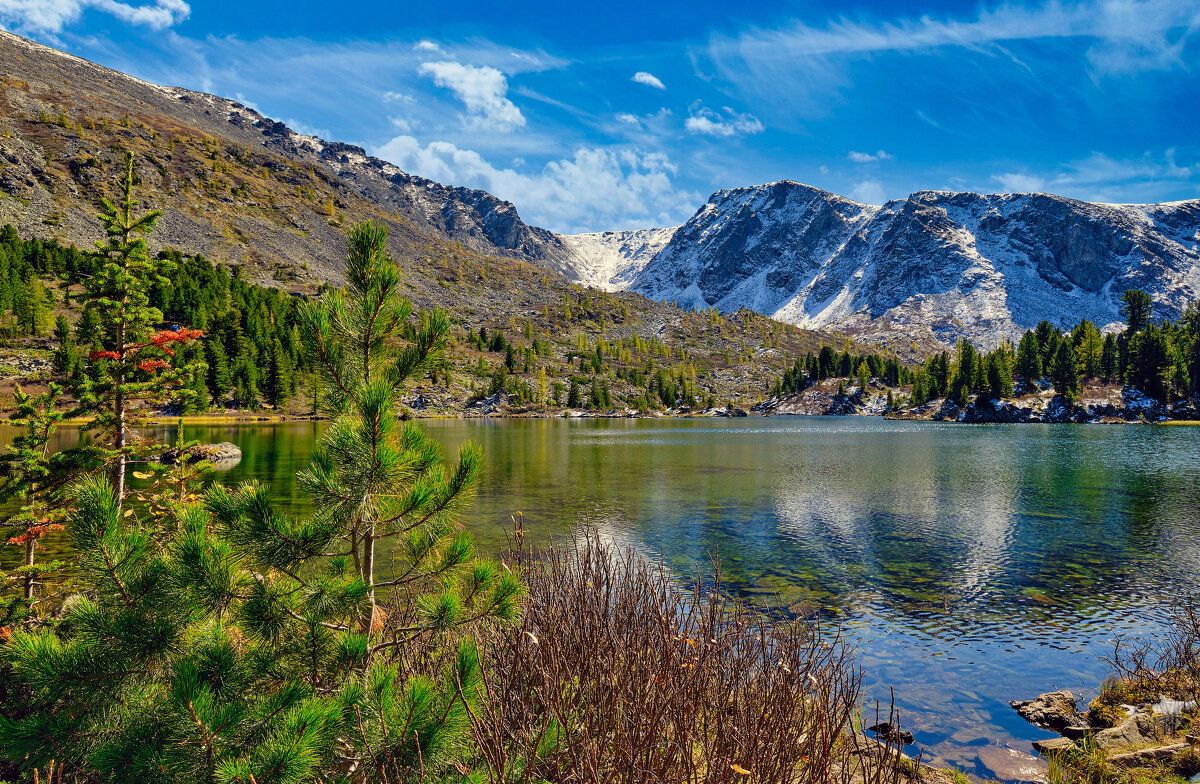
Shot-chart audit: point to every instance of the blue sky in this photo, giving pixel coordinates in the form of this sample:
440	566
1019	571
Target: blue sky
613	115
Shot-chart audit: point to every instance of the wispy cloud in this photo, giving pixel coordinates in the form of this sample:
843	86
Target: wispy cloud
1146	26
1101	177
482	90
868	157
52	16
813	63
725	123
649	79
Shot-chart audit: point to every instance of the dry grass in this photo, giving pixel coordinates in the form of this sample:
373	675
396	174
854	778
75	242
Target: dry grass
618	674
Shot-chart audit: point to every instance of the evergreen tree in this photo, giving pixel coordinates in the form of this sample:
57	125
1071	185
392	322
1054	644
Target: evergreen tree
135	370
1138	309
575	395
1029	359
1064	372
33	475
67	358
999	372
280	379
220	378
1088	348
1152	362
1108	357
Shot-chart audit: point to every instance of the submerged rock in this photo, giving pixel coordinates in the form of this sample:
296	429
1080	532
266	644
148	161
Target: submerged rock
893	734
1011	765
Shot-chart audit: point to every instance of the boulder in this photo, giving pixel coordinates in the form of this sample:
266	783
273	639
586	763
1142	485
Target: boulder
1054	745
1141	729
224	452
1056	710
1136	759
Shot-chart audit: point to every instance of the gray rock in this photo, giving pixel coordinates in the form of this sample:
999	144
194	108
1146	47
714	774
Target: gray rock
222	453
1054	710
1138	730
1134	759
1054	745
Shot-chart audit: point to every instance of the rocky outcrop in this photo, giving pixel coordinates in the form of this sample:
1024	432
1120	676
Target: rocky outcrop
1150	736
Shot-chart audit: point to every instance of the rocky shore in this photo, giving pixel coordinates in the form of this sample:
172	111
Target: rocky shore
1154	736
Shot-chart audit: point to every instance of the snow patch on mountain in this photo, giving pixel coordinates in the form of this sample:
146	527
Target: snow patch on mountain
610	260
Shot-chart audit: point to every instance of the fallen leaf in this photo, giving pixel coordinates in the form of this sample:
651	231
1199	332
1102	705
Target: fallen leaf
739	769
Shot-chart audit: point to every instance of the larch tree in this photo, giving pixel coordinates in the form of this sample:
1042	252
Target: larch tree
132	367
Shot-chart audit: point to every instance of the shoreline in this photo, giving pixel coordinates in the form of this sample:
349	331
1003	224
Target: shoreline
275	419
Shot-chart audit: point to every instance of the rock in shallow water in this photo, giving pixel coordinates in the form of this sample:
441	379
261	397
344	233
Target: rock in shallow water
1054	710
224	452
1011	765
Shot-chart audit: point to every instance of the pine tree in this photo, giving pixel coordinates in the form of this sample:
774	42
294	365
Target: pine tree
220	378
33	477
220	641
1138	309
1108	357
575	395
67	358
1029	359
1064	372
279	382
1088	347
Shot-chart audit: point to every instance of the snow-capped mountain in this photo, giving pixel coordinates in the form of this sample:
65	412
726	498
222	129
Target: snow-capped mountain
611	260
936	264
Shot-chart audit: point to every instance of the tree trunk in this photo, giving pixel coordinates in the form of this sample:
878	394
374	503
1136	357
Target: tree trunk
29	550
368	574
118	470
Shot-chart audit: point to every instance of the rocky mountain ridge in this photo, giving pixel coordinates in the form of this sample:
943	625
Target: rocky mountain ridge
937	264
42	81
913	274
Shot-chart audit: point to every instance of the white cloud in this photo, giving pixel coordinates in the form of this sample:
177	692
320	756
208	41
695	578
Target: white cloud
725	123
869	192
1016	182
596	188
482	90
395	97
426	46
868	157
52	16
628	119
649	79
